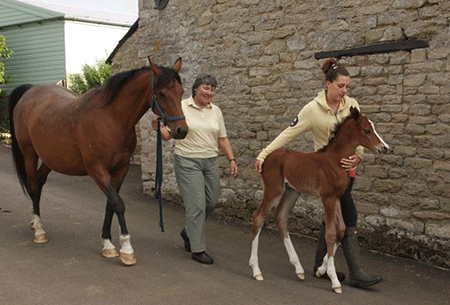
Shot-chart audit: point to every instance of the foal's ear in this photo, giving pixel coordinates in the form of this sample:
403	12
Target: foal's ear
157	71
354	112
177	65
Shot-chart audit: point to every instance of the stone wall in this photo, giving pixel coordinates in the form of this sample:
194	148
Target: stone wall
126	58
262	53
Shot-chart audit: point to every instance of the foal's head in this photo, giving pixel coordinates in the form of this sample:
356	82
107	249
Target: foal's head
167	93
366	133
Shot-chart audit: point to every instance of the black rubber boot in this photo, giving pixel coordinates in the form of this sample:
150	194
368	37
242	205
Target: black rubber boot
320	253
358	277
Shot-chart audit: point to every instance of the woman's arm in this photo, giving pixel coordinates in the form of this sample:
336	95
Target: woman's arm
165	133
225	146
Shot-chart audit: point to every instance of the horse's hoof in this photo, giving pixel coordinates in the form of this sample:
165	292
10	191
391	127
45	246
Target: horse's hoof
110	253
338	290
258	277
128	259
301	276
318	274
40	238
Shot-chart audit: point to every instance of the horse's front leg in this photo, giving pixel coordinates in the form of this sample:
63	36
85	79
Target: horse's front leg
111	186
109	251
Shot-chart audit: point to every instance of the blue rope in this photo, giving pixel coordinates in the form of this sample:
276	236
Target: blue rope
159	174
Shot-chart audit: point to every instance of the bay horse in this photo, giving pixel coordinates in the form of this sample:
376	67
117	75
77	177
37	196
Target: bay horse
287	173
93	134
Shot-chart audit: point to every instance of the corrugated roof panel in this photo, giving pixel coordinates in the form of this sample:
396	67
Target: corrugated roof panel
39	54
20	12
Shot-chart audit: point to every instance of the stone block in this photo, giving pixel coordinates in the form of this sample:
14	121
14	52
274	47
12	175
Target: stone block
414	80
438	230
387	186
412	227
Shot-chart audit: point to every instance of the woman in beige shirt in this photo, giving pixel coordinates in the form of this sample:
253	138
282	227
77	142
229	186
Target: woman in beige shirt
196	162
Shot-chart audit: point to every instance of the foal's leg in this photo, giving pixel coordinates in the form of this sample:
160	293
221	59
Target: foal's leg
328	266
281	217
271	197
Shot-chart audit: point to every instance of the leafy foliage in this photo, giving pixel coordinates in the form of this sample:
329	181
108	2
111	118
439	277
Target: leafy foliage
93	76
5	53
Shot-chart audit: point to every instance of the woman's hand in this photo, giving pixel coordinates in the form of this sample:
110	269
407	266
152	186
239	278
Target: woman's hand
258	167
234	168
165	134
155	124
350	163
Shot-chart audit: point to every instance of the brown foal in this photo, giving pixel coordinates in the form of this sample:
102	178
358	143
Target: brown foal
287	173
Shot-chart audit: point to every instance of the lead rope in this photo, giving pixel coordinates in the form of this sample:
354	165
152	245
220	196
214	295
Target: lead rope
159	173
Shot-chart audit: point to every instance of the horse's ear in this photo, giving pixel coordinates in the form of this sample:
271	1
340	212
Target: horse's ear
177	65
354	112
157	71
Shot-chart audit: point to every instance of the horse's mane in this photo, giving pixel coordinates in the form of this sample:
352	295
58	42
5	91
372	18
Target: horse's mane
115	83
337	127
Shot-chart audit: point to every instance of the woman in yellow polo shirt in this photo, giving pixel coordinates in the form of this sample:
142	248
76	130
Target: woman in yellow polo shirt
321	116
196	162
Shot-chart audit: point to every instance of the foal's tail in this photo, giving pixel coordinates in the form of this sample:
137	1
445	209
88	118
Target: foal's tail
19	160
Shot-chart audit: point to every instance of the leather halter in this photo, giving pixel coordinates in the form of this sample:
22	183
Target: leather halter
156	103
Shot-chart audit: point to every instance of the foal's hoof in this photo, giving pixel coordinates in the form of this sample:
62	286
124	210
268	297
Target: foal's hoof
128	259
110	253
301	276
40	238
338	290
258	277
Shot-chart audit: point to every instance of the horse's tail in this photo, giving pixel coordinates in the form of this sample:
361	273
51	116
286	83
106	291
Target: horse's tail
19	160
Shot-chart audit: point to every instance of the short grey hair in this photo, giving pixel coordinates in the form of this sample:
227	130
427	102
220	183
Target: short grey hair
204	79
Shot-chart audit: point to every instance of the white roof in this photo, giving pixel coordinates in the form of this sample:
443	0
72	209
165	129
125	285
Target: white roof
83	12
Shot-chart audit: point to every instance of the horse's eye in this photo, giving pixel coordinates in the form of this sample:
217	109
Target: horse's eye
161	94
367	131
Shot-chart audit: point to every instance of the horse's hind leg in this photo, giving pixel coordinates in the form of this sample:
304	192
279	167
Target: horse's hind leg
36	181
271	197
281	217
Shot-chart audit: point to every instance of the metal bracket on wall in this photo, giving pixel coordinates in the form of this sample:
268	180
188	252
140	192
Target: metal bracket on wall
394	46
161	4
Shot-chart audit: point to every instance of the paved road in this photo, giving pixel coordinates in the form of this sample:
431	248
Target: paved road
69	269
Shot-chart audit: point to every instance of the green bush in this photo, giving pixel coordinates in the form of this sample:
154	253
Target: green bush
93	76
5	53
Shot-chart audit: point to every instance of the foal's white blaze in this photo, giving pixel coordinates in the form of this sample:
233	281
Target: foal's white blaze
375	131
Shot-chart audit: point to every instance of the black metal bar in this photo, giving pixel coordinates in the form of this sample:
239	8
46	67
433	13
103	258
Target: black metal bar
405	45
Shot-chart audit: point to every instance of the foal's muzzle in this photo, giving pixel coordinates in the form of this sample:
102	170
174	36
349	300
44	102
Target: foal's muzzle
383	150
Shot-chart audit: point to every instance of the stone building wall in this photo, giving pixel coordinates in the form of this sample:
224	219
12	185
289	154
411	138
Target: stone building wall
125	57
262	53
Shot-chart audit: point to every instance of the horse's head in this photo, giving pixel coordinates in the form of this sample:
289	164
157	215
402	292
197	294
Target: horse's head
166	100
368	137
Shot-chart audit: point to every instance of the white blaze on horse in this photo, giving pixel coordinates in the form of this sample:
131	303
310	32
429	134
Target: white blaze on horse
287	173
52	129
